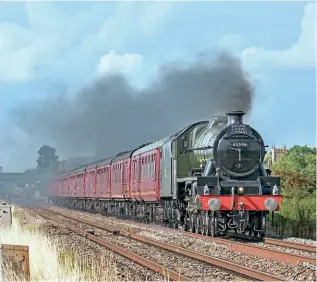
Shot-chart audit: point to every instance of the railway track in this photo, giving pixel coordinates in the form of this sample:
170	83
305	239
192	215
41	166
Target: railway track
229	266
263	252
304	272
253	249
170	274
297	246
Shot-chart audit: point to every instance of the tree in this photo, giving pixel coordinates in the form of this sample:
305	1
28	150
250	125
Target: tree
47	157
297	169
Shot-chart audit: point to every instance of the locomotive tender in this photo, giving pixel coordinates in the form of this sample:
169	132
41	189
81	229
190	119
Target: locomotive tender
208	178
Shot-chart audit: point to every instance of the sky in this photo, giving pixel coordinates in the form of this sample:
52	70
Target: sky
52	48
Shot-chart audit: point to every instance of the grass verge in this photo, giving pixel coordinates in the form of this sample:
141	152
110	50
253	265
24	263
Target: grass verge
49	262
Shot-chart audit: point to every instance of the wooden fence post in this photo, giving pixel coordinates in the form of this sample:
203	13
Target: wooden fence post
14	258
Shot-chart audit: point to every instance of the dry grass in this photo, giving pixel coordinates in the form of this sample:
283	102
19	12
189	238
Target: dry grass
51	263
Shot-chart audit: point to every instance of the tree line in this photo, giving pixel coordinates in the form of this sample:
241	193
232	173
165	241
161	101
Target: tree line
297	169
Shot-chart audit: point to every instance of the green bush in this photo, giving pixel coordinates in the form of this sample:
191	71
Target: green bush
297	169
297	217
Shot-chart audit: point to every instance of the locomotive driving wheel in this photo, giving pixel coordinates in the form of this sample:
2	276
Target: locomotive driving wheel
176	219
204	225
263	225
192	222
185	225
213	225
198	223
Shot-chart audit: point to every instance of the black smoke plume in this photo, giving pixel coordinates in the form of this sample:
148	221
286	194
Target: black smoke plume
110	115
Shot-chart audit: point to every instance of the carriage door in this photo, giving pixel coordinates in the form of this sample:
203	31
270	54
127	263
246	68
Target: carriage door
139	175
124	177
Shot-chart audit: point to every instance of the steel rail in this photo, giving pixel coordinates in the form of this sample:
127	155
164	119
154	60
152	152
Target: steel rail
297	246
246	248
252	273
259	251
171	274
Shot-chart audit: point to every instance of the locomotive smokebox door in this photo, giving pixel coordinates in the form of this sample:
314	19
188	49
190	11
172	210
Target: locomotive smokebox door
239	149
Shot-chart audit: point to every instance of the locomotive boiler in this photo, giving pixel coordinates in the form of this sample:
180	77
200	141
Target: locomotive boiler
206	178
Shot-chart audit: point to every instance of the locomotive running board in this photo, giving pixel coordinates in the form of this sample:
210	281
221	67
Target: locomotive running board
182	180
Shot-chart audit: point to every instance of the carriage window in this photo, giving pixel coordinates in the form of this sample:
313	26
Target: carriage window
137	171
141	171
151	170
146	170
134	169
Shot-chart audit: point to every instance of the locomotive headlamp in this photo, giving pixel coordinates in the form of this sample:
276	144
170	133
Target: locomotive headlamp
206	190
275	190
214	204
241	190
270	204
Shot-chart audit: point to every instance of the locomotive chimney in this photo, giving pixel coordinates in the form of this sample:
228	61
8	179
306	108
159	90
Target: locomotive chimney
235	117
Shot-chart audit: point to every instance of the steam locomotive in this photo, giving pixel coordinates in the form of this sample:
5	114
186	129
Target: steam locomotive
208	178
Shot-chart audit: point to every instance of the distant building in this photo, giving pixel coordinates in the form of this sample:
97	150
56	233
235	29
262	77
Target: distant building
276	154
